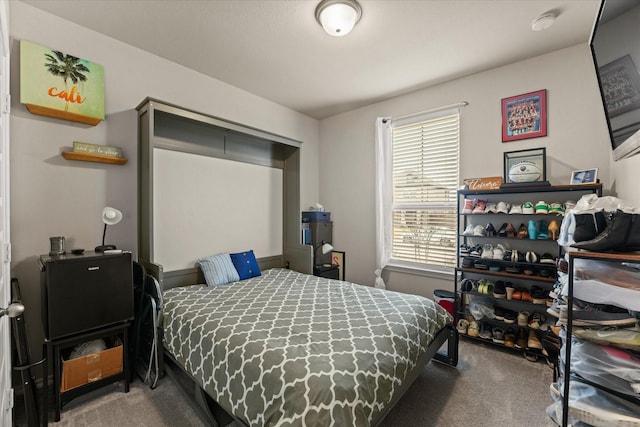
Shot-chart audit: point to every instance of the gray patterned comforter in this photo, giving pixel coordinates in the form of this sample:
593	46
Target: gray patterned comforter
289	349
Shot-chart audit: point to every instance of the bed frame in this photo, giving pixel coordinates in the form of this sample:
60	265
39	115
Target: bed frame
275	151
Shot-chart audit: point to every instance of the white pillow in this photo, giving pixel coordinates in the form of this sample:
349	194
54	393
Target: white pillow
218	270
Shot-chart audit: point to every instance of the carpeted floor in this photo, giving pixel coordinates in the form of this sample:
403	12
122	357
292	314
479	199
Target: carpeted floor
489	387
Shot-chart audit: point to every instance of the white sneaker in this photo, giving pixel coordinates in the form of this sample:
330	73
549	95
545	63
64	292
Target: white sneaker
487	252
502	207
469	230
515	209
528	208
478	230
498	252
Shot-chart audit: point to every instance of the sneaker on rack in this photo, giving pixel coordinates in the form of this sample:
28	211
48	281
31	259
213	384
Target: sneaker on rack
528	209
533	341
542	207
628	338
556	208
510	338
462	326
468	231
536	320
515	210
499	291
479	207
478	230
487	251
523	318
586	314
464	250
556	308
476	251
538	295
503	207
469	204
485	331
498	335
473	329
467	262
568	205
521	340
498	252
490	208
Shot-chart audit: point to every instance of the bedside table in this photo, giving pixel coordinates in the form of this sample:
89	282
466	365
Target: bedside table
85	297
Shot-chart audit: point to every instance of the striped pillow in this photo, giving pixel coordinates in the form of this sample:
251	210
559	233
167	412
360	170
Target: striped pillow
218	270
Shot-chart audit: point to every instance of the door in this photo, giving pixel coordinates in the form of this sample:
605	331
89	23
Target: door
6	393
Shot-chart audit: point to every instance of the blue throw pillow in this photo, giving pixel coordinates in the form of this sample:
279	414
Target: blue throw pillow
246	264
218	270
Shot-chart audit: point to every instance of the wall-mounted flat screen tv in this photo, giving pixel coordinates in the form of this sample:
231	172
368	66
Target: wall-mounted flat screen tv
615	45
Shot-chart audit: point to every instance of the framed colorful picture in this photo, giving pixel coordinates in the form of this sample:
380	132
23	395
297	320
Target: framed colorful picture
59	85
524	116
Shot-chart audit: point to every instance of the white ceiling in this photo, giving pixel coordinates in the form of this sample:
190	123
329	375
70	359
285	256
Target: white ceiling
276	50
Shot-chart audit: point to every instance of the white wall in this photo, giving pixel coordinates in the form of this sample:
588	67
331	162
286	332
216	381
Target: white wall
52	196
577	139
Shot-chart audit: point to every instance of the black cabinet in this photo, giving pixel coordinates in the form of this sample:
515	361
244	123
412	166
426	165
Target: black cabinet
85	297
85	292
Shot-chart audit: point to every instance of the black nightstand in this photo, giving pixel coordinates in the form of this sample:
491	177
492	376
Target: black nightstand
331	272
85	297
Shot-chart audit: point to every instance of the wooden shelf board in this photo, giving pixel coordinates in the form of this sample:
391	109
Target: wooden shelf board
70	155
63	115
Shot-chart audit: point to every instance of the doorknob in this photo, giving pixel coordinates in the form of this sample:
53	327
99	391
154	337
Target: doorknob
13	310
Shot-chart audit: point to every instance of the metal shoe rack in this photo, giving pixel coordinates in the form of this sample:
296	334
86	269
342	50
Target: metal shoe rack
513	196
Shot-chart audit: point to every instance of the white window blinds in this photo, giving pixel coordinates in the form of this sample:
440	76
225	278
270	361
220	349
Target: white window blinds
425	181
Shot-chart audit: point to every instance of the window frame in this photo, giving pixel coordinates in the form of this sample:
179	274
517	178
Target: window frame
417	267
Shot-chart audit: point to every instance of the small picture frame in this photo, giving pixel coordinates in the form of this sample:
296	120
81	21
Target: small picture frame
586	176
525	168
524	116
337	259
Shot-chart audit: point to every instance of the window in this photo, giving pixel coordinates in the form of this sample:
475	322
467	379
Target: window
424	182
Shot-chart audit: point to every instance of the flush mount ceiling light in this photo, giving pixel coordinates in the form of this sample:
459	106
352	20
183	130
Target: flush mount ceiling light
543	21
338	17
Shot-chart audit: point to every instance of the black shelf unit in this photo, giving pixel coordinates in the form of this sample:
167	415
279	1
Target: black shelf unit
512	195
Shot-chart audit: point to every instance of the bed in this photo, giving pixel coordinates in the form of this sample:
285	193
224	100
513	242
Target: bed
283	348
287	348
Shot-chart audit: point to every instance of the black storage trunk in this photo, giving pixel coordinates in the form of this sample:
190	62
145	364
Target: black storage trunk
84	292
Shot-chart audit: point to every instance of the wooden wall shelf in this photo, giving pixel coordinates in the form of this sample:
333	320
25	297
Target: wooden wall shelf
70	155
63	115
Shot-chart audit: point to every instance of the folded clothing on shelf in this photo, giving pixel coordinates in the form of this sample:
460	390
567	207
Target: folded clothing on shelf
598	292
611	367
592	406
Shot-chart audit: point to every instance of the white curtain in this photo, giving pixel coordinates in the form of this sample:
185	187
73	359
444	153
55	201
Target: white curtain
383	197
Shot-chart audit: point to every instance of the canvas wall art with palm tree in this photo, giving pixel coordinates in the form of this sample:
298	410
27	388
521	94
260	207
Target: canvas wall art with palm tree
56	84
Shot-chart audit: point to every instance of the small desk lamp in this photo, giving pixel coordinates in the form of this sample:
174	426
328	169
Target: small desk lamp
110	216
326	248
